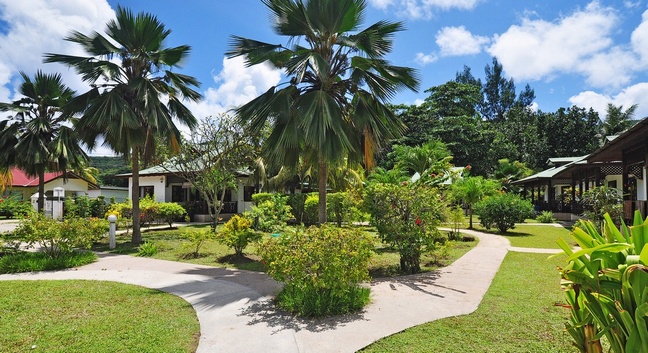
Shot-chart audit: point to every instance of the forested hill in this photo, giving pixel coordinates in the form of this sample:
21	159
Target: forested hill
108	167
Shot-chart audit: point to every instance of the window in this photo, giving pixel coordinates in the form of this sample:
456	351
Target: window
178	193
247	193
612	184
146	191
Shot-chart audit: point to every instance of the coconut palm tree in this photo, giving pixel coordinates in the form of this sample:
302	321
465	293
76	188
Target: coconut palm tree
39	137
135	96
617	120
333	105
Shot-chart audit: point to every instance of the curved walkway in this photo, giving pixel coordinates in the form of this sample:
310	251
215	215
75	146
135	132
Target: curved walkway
236	314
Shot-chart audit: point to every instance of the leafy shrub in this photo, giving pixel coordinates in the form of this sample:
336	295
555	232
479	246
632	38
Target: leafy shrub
170	212
545	217
38	261
261	197
406	217
503	211
296	203
271	214
605	284
457	219
237	234
339	207
98	206
600	200
311	209
322	269
147	249
76	207
13	206
57	238
197	239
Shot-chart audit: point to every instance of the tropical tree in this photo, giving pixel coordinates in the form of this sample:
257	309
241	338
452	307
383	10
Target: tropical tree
135	96
39	137
334	104
431	156
471	190
617	120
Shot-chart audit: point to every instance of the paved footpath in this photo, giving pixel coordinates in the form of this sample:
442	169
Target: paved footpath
236	315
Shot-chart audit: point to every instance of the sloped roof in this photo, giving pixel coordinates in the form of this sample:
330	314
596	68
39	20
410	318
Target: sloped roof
169	168
563	160
552	172
21	179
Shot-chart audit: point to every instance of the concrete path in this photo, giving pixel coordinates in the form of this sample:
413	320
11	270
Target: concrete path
236	314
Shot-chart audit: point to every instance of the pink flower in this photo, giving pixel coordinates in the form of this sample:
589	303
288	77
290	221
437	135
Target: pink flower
404	183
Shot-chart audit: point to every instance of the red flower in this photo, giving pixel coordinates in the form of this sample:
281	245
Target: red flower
404	183
418	221
468	167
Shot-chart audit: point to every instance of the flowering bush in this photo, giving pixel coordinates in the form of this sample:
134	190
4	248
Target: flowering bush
322	269
406	217
503	211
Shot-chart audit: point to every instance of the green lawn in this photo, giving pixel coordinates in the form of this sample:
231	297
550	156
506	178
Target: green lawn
516	315
537	236
93	316
170	245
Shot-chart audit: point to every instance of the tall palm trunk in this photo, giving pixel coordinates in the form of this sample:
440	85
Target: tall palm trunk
41	190
137	234
322	177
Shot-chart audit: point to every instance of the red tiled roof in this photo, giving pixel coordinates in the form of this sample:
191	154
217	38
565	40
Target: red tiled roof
21	179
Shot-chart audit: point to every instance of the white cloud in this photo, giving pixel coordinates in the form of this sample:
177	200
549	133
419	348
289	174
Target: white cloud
580	42
635	94
424	59
455	41
639	39
38	26
422	9
236	85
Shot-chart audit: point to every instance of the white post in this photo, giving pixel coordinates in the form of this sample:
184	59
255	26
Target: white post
57	203
113	228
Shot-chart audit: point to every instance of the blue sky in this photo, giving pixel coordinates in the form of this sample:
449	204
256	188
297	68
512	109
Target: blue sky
585	53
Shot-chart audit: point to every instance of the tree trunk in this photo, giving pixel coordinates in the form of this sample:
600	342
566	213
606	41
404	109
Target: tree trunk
41	190
470	212
136	238
322	176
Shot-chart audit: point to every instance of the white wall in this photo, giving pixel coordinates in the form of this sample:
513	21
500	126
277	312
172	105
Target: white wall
158	186
642	189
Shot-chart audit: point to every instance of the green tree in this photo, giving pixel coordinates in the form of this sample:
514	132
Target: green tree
574	131
38	137
421	159
617	120
471	190
499	93
212	158
135	96
334	104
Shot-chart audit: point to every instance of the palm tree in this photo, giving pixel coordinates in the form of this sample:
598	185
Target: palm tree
334	104
134	96
471	190
38	138
422	159
617	120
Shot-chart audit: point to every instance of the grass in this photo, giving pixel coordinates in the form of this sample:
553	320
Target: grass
169	243
537	236
516	315
38	261
39	316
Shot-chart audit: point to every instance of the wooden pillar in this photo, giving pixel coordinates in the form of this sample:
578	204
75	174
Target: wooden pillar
597	173
586	179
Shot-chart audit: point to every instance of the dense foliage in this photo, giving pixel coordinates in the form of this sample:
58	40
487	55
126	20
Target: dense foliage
57	238
270	213
322	269
406	217
602	200
13	206
605	285
503	211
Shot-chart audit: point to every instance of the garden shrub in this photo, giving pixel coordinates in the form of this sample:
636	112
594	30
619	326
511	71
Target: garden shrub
197	239
339	206
98	206
456	216
406	217
38	261
545	217
322	269
13	207
60	237
147	249
237	233
600	200
261	197
296	203
311	208
271	214
503	211
170	212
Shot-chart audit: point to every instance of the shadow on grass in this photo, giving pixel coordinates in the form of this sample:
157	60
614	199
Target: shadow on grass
266	312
